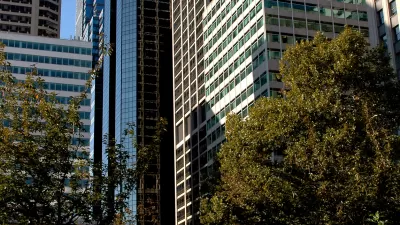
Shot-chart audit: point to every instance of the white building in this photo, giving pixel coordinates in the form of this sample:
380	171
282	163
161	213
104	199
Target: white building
226	55
63	64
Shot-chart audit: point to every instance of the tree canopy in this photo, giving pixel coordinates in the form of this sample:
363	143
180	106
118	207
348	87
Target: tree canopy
336	127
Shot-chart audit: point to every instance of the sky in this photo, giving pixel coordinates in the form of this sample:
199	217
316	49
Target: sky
67	18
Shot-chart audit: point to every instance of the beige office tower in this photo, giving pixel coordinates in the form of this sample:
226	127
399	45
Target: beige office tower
226	55
34	17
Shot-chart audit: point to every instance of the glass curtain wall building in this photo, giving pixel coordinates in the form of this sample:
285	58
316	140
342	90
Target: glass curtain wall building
243	41
137	89
90	32
89	26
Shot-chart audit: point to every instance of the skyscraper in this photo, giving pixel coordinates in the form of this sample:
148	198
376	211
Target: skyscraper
34	17
226	55
78	18
137	89
189	104
92	23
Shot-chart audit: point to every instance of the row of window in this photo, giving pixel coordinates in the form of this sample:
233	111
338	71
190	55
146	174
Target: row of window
220	131
309	24
357	2
65	87
84	115
80	141
62	87
228	24
393	8
396	32
225	10
46	47
237	101
258	60
85	128
80	155
245	4
50	73
215	135
312	8
255	86
274	54
66	100
244	39
381	17
285	38
231	20
247	53
48	60
214	150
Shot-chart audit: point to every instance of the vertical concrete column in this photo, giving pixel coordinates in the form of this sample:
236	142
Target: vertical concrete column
35	17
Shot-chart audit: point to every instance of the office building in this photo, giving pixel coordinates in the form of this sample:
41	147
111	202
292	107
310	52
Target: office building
226	55
388	29
34	17
137	88
63	64
189	105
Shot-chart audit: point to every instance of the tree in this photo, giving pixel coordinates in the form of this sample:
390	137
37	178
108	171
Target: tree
46	175
336	127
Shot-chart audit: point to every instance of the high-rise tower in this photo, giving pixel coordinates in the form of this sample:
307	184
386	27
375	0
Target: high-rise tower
226	55
137	88
34	17
78	18
189	105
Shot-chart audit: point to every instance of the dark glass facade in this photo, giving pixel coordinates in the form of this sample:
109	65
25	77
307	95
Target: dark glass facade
137	89
126	79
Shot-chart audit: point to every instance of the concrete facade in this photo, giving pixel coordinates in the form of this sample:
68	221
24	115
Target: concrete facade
63	64
34	17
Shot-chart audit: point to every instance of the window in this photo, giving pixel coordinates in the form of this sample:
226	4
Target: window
393	9
263	78
46	59
257	84
274	54
273	37
397	33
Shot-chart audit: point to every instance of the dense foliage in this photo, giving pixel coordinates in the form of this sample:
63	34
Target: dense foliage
336	127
